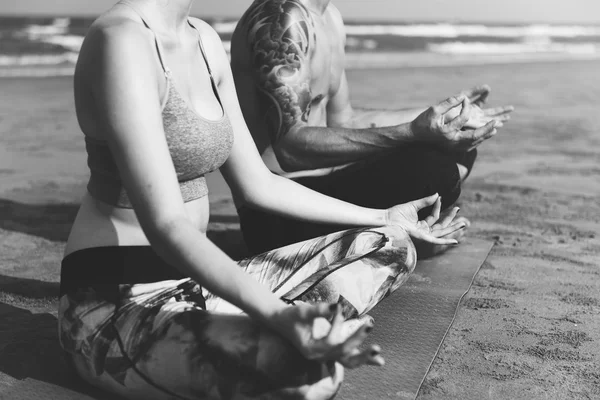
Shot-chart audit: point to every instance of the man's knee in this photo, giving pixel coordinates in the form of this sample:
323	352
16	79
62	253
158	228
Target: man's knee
441	175
462	172
467	160
425	170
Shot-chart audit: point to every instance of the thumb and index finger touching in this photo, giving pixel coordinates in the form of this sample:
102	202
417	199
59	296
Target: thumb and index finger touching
478	94
450	103
425	201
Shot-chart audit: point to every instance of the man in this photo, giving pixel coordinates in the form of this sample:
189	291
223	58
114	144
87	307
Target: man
288	65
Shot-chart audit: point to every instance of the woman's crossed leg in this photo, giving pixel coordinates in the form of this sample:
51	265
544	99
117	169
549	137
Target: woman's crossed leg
157	341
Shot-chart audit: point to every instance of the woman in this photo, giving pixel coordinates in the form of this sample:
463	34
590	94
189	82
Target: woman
150	308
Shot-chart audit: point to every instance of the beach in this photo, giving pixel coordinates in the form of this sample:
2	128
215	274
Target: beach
529	328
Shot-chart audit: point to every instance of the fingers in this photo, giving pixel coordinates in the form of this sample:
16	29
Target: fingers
485	131
369	356
425	201
463	219
461	119
478	94
447	219
375	357
324	310
499	111
357	338
448	104
353	357
428	238
337	325
482	134
435	213
475	137
347	351
440	233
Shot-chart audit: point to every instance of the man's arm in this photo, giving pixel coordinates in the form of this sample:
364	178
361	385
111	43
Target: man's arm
281	38
341	113
282	44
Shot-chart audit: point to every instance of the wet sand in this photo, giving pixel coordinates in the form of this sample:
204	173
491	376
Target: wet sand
530	326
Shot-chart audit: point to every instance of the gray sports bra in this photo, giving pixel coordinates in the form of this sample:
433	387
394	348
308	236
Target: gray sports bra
197	145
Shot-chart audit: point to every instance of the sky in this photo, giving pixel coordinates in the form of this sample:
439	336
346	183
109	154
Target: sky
556	11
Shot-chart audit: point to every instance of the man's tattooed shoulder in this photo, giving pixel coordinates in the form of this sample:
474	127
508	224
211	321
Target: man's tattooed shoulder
280	35
287	23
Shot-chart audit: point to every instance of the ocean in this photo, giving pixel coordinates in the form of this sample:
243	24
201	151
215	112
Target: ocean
49	46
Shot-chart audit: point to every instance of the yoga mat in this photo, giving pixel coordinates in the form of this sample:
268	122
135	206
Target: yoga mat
412	323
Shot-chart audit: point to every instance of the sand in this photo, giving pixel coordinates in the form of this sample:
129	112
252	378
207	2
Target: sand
530	326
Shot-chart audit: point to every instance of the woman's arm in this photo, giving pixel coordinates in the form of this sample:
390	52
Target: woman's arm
121	76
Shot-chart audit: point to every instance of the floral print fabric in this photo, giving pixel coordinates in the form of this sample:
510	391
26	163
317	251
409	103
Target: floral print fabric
172	340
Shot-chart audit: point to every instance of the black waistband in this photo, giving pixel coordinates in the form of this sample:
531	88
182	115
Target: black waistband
113	266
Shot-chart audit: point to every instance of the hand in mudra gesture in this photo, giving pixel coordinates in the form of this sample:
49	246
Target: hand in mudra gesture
432	229
435	233
464	128
479	116
320	333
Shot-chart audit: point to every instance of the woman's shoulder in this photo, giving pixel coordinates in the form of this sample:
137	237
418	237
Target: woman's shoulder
212	43
207	32
115	43
114	31
203	26
119	28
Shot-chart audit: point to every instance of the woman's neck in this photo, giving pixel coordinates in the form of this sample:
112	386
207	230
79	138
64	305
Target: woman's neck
165	15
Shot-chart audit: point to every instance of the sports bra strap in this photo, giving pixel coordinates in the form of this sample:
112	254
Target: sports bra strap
166	69
212	79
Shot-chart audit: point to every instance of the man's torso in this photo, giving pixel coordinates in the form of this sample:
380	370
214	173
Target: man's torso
260	49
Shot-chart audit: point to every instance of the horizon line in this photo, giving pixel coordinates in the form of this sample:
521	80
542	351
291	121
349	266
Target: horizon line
346	20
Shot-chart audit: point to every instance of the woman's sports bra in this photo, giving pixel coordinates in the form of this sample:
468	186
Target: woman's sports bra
197	145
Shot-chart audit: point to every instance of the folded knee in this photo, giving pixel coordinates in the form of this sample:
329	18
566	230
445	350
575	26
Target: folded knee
439	173
400	246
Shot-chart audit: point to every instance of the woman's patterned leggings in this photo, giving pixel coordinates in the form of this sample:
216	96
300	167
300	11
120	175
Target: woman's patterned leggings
168	340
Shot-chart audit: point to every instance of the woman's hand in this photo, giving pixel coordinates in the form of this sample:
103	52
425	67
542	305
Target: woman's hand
320	333
433	229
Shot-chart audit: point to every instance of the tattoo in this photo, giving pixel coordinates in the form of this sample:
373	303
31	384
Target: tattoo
280	35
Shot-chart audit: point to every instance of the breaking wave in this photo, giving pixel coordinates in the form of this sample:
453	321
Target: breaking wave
486	48
50	46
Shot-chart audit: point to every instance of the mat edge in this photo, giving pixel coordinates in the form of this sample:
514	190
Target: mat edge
491	246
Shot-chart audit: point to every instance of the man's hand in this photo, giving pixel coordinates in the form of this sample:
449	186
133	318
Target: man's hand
479	115
431	125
